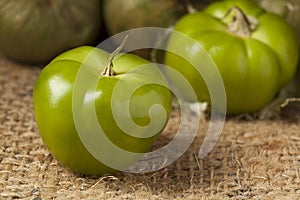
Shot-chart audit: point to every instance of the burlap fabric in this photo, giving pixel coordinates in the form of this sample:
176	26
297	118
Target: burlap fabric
254	159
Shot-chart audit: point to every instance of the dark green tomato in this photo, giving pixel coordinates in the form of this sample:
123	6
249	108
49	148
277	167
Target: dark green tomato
120	15
36	31
54	102
255	51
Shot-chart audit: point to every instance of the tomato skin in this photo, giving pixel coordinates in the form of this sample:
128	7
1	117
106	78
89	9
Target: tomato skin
254	68
289	9
121	15
35	32
53	93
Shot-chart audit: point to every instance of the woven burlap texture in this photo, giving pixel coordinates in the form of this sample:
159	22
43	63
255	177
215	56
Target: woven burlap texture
254	159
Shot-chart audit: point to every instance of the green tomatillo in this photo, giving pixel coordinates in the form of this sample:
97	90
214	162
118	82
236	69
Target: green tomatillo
255	51
127	89
289	9
37	31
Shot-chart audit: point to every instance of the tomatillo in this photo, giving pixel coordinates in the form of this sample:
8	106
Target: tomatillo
255	51
126	89
35	31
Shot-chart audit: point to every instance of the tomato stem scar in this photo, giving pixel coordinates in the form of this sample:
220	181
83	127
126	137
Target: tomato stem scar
241	24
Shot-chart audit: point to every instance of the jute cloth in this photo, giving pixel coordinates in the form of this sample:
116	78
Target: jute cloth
253	159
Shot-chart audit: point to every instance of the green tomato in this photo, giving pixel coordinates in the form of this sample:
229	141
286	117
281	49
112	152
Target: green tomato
36	31
141	13
54	101
255	51
289	9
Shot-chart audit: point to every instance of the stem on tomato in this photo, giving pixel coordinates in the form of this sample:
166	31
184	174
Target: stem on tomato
240	25
108	70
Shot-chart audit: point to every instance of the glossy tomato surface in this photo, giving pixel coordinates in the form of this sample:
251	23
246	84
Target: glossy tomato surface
54	101
255	62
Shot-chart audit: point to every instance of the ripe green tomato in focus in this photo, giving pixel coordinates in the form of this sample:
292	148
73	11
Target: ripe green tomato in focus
53	103
255	51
